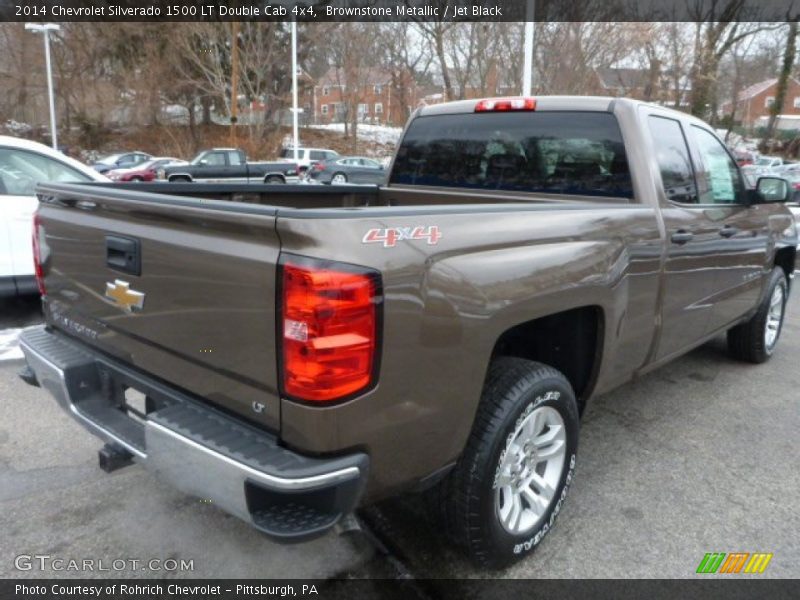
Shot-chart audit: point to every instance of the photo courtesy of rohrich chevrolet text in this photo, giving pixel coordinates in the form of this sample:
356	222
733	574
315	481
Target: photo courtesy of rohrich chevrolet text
399	299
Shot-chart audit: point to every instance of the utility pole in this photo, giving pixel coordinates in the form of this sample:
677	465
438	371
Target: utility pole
295	134
234	80
527	74
46	28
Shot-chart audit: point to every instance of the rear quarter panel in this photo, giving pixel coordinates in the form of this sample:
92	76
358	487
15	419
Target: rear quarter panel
447	304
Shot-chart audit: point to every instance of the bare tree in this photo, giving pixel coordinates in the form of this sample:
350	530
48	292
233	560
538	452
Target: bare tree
789	55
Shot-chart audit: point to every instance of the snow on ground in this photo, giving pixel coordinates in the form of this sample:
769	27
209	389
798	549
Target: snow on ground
9	344
379	134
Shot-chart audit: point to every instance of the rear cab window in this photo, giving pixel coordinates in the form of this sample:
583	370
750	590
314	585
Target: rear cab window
553	152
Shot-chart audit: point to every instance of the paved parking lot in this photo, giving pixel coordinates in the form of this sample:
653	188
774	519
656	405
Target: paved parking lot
699	456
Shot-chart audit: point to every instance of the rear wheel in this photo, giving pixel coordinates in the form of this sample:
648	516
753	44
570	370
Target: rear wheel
755	340
180	179
273	179
137	179
508	487
339	178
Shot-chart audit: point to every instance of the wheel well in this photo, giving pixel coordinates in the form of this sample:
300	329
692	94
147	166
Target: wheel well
269	176
785	259
569	341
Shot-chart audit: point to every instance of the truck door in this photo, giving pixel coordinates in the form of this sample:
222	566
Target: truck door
236	169
740	254
214	167
691	238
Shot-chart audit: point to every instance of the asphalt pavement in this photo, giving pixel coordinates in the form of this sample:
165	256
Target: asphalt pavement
699	456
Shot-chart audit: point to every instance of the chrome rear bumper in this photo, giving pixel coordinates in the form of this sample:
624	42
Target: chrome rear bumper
196	448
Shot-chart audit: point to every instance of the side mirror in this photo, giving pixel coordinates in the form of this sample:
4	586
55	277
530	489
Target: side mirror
772	189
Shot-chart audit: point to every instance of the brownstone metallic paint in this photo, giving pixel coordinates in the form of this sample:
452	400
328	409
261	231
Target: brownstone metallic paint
209	277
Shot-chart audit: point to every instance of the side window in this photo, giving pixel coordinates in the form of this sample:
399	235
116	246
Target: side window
317	155
719	169
672	154
20	171
216	159
234	158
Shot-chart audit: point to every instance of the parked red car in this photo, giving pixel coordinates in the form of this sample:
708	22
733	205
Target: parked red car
145	171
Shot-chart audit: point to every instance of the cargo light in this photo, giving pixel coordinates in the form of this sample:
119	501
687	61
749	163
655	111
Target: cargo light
38	232
506	104
330	319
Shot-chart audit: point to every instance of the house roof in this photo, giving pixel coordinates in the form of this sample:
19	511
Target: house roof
757	88
366	76
625	78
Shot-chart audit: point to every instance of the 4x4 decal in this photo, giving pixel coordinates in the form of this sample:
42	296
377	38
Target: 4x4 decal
391	235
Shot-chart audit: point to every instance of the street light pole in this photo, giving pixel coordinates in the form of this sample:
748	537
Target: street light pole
295	135
527	73
46	28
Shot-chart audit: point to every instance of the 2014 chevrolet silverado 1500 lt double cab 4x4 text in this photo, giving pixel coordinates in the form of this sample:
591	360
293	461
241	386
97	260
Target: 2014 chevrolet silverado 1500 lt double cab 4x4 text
291	353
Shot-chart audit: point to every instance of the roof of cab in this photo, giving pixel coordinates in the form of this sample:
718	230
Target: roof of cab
543	103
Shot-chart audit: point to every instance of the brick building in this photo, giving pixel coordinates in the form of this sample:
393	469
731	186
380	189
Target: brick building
754	102
374	95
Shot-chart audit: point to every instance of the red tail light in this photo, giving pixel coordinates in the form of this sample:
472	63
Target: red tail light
318	167
329	328
506	104
38	232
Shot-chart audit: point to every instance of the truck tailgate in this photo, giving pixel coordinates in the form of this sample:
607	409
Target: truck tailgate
199	312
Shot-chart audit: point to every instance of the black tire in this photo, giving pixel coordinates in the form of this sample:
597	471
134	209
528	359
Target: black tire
514	388
747	341
180	179
274	179
136	179
335	175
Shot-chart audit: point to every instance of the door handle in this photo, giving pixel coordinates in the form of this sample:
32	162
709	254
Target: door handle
728	231
124	254
681	236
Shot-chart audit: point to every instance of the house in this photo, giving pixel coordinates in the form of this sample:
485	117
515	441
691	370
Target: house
753	104
375	95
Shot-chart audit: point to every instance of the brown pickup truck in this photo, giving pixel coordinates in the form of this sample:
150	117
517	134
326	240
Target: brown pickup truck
293	353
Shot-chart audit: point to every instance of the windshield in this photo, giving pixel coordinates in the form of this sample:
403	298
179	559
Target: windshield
289	153
552	152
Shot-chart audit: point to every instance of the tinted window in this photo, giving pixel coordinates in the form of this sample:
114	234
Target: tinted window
234	158
318	155
672	153
20	171
552	152
721	174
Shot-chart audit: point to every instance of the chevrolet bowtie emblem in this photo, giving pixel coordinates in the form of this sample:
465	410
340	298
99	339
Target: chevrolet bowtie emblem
121	293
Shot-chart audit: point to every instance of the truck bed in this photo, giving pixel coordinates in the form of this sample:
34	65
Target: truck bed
208	257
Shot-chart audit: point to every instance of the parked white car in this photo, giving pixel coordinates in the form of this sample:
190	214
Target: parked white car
307	157
23	164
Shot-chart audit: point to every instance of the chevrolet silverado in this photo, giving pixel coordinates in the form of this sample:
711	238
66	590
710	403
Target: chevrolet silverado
293	352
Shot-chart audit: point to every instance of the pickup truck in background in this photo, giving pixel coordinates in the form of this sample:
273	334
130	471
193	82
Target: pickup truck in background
229	165
293	352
